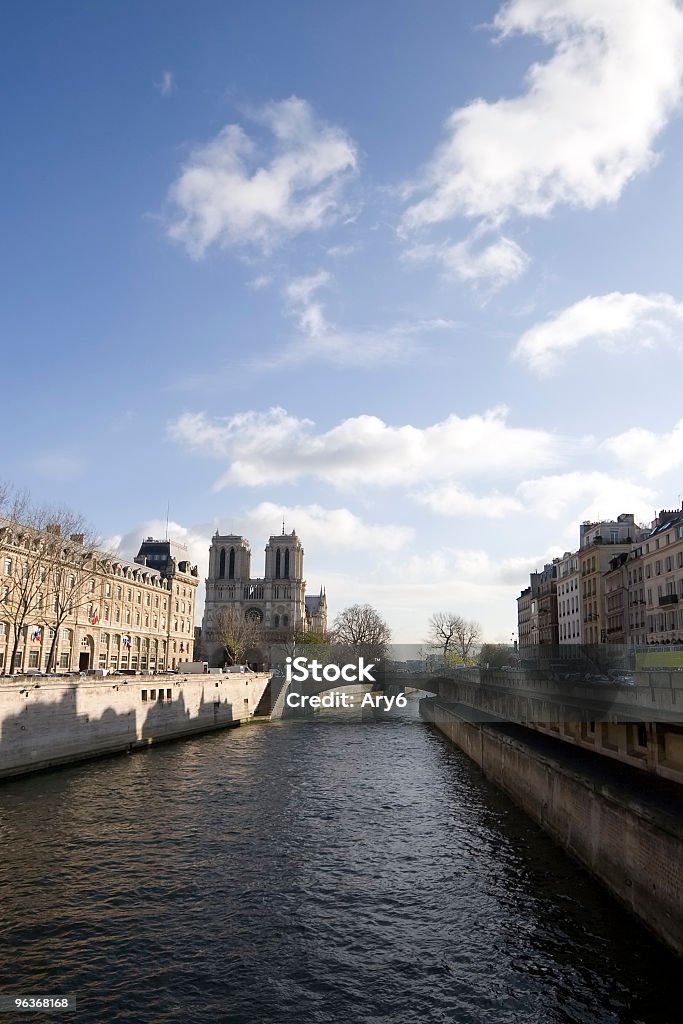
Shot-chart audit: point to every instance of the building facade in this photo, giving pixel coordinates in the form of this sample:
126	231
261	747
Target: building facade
277	601
653	578
569	599
91	609
600	544
582	597
624	585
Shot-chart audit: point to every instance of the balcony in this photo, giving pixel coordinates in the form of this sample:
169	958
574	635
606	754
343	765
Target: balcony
668	599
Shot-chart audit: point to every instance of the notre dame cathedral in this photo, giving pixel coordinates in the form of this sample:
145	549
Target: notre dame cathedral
277	601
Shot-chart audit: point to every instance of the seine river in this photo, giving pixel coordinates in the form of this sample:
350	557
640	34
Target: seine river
332	871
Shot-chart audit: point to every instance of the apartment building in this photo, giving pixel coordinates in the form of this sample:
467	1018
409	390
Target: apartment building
654	577
569	615
67	607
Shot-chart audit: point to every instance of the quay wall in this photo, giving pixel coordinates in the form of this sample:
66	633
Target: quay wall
636	852
46	724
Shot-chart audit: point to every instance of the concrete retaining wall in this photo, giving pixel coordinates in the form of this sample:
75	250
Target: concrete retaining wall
635	852
53	723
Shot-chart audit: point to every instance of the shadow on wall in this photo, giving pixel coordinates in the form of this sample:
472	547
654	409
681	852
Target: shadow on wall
53	729
165	716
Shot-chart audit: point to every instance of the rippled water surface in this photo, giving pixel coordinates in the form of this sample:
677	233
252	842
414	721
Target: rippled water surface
309	872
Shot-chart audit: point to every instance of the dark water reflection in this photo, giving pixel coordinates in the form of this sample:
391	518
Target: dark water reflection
309	873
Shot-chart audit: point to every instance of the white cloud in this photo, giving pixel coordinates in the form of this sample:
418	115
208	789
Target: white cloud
454	500
462	577
583	128
320	340
587	494
274	447
167	84
337	251
230	193
646	452
257	284
617	320
583	494
498	263
324	529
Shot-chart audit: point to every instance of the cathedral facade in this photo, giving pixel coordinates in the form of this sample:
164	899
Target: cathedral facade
276	601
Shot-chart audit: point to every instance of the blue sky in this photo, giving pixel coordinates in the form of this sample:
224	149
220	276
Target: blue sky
407	275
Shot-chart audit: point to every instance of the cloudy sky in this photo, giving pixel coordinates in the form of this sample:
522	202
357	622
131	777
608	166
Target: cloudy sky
405	275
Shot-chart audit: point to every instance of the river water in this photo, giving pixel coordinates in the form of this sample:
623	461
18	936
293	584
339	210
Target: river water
329	871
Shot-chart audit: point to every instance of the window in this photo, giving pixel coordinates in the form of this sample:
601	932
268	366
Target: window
107	589
143	694
168	695
33	659
152	694
64	659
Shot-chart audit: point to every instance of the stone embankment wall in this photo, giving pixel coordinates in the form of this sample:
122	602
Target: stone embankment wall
631	840
47	724
597	718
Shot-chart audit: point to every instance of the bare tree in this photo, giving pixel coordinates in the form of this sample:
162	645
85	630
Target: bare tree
442	632
5	496
22	594
73	565
361	625
236	632
50	569
453	634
